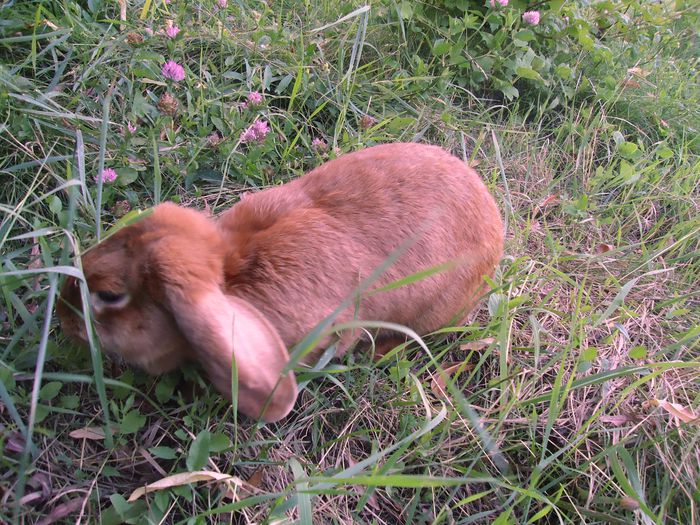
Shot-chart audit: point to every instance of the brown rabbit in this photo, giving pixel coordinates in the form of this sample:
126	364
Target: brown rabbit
180	286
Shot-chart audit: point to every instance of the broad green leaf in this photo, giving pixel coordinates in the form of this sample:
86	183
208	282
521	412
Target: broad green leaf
132	422
510	92
166	387
55	204
525	35
120	504
223	128
70	402
527	72
638	352
199	451
563	71
628	173
219	442
405	10
163	452
628	149
126	176
50	390
664	152
589	354
555	5
441	47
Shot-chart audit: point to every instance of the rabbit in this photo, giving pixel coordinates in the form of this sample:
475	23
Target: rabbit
179	286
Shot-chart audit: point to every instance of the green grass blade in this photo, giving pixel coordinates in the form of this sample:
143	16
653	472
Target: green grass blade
101	162
302	496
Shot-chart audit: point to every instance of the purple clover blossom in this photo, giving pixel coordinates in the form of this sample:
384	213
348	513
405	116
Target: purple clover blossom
131	127
173	71
319	145
172	31
222	4
107	175
531	17
256	132
254	98
502	3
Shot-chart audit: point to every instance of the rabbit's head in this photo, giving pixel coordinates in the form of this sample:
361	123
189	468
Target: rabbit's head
156	295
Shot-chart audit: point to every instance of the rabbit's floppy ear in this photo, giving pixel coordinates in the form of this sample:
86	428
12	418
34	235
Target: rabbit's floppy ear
183	256
220	327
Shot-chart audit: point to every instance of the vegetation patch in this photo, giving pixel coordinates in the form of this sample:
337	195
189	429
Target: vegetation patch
570	397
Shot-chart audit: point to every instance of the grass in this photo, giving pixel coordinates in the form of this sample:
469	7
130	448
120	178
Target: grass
560	409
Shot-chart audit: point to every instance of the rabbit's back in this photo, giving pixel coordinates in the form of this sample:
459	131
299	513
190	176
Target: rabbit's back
298	250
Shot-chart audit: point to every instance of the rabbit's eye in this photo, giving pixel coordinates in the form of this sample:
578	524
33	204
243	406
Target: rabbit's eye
106	300
110	297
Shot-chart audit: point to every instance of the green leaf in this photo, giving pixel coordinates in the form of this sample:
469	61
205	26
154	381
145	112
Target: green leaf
55	204
145	55
441	47
664	152
584	38
400	124
302	495
413	278
628	173
50	390
267	75
110	472
140	106
126	176
525	35
555	5
541	514
563	71
120	505
628	149
132	422
41	412
616	302
166	387
163	452
219	442
638	352
199	451
405	10
283	84
503	518
496	303
589	354
510	92
70	402
223	128
527	72
234	75
130	218
518	300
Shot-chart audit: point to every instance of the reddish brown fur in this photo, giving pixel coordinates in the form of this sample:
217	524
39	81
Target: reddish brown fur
295	252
